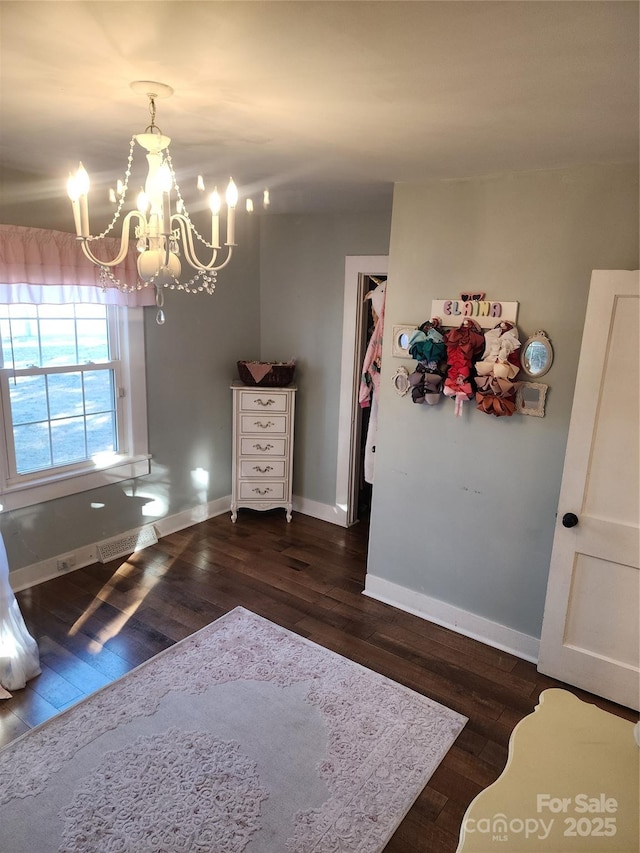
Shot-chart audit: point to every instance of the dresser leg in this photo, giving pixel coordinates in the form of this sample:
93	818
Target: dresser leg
288	515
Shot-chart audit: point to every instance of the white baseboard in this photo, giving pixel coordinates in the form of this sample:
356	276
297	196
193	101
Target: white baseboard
470	624
181	520
46	569
81	557
325	512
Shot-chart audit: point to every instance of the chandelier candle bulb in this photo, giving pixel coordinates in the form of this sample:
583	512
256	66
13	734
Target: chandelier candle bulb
214	204
142	202
232	200
165	223
231	227
84	216
82	188
72	191
164	185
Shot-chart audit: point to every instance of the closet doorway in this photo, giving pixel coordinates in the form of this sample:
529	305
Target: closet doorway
362	273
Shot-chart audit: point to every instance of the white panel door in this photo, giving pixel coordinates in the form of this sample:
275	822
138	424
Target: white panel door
590	635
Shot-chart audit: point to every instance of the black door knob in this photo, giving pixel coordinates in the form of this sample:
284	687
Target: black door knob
569	519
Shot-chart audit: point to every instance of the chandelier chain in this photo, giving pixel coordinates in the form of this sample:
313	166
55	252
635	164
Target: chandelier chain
125	186
153	127
208	284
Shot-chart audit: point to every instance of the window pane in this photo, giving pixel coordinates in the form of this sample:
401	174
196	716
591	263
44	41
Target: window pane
5	335
23	311
101	433
83	310
32	447
58	341
28	399
26	351
93	340
68	417
67	441
57	311
65	395
98	391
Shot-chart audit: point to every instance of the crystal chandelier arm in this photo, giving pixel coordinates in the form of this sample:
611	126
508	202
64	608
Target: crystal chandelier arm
124	242
188	248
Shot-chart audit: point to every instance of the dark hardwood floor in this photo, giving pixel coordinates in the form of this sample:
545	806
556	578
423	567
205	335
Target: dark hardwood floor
95	624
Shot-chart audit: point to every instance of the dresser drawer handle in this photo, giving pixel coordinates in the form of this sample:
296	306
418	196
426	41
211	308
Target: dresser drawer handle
262	491
266	447
264	470
261	402
263	426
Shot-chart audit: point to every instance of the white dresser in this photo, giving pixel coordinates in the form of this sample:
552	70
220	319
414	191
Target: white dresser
262	447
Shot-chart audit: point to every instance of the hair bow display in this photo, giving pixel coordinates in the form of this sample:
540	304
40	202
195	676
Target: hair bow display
464	344
500	364
427	346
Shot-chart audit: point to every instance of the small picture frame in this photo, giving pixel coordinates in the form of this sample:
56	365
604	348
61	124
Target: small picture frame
530	398
400	341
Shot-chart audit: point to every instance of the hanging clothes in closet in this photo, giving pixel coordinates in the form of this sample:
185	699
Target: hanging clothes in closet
370	376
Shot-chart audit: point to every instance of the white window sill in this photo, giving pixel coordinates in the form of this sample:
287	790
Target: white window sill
39	489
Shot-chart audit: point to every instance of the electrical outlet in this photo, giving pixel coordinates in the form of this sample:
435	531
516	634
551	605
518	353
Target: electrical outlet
66	563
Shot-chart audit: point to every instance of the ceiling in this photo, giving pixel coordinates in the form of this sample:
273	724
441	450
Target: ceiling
325	103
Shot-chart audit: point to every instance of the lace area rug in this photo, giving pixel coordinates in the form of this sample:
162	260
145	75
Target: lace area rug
243	738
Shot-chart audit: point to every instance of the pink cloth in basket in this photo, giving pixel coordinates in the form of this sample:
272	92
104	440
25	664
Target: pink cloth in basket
258	369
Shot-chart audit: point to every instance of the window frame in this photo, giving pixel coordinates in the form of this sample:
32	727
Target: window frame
126	330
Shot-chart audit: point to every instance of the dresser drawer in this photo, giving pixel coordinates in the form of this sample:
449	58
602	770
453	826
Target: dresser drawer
266	446
263	423
263	401
266	470
267	491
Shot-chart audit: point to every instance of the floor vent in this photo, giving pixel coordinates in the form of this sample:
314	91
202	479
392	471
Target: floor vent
120	546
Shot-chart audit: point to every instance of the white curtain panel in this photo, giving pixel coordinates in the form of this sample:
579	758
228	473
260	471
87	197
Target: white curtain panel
19	657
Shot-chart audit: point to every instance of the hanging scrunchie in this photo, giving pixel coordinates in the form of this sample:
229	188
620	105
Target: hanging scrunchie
464	344
500	364
427	343
495	396
426	385
427	346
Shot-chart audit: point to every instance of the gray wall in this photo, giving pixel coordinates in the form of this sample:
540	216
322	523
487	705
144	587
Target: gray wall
191	362
464	508
302	262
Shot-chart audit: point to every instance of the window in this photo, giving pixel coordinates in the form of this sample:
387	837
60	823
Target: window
73	399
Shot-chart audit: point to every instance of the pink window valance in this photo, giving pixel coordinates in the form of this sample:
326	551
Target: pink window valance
42	266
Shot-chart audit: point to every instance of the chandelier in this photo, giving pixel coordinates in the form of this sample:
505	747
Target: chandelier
162	236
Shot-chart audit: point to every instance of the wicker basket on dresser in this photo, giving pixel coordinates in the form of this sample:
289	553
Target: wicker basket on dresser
262	447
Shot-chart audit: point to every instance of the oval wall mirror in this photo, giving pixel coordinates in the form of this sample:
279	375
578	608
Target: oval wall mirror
537	354
401	382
